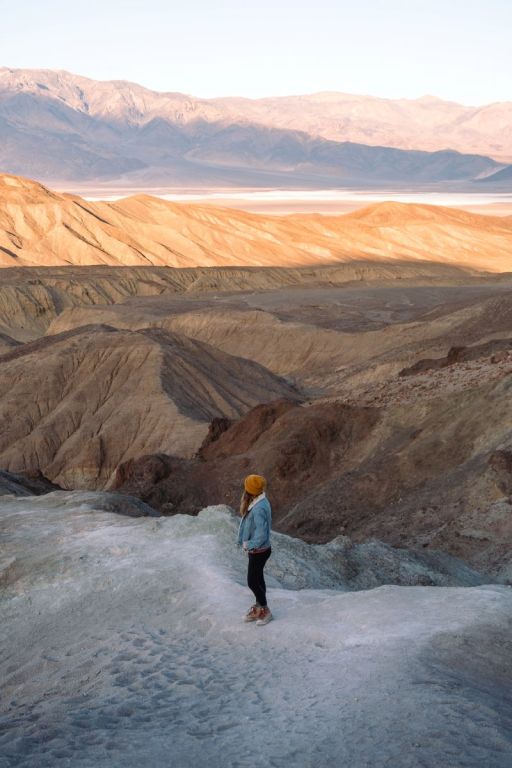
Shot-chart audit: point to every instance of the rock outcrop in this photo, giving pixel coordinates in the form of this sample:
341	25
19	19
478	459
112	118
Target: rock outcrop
496	351
430	473
26	484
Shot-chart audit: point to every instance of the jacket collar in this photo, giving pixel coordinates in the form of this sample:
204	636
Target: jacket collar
256	500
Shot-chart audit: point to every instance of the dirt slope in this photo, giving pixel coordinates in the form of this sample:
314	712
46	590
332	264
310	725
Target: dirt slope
77	404
321	359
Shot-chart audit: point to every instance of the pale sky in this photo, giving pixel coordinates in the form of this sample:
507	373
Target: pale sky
454	49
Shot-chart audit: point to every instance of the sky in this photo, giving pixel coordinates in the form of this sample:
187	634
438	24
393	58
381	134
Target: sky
454	49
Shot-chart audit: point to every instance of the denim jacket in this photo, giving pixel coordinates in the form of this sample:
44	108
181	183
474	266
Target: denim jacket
255	527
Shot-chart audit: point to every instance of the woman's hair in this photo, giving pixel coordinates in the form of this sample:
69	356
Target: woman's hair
244	503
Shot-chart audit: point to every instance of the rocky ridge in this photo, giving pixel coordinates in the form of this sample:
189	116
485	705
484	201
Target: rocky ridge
39	227
77	404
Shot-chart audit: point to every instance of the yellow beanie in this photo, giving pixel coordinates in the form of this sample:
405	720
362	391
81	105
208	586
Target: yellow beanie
255	484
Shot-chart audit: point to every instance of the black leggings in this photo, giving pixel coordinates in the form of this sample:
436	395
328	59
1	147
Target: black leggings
255	580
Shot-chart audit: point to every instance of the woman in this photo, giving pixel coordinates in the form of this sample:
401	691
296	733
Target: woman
254	537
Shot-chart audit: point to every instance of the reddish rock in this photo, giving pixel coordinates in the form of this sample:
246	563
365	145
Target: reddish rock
498	348
499	357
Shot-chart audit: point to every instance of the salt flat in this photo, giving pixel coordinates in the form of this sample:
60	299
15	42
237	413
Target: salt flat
326	201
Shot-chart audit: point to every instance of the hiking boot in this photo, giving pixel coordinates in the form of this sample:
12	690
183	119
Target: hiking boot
253	613
264	616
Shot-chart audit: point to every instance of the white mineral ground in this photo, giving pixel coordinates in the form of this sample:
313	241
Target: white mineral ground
123	645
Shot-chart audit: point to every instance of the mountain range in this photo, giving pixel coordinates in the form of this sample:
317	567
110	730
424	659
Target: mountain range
66	129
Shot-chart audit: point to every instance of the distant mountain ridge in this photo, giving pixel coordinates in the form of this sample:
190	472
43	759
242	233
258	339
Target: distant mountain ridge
427	123
57	126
